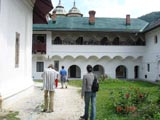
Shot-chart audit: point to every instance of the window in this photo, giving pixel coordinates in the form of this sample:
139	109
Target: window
148	67
40	38
121	72
56	65
39	43
57	40
116	41
96	68
155	39
40	67
104	41
17	49
79	41
140	42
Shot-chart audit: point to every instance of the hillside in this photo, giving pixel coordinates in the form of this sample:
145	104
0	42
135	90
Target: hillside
151	16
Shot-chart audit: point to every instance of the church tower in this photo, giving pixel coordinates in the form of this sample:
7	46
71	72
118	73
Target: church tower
59	10
74	11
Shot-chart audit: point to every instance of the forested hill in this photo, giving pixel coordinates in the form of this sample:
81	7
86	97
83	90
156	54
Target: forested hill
151	17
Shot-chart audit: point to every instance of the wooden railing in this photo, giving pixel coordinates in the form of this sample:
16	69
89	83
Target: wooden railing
39	47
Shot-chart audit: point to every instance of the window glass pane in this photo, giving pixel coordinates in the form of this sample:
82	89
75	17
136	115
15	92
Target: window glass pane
155	39
56	65
148	67
40	67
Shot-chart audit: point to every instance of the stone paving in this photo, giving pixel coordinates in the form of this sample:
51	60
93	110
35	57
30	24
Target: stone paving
68	104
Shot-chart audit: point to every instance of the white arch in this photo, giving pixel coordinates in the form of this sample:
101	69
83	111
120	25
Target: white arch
121	73
56	57
68	57
118	57
74	71
129	57
105	58
93	57
80	57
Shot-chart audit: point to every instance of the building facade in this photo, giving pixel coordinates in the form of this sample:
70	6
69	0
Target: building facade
117	47
16	45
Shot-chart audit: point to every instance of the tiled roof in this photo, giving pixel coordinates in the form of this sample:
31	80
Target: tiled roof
152	25
101	24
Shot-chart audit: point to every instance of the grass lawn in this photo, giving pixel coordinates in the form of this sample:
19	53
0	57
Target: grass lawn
126	100
9	115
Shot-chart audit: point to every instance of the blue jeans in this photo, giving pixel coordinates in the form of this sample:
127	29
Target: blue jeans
87	97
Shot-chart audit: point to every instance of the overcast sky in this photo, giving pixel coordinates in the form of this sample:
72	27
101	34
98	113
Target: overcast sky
112	8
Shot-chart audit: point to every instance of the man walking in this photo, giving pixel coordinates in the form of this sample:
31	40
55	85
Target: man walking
63	76
49	77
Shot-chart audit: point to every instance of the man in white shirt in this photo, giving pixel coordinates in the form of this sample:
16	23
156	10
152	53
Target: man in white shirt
49	75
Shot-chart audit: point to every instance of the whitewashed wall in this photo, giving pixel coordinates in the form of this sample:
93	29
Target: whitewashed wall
108	65
109	57
152	55
15	16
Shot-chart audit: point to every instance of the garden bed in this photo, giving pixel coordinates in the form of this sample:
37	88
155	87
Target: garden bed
127	99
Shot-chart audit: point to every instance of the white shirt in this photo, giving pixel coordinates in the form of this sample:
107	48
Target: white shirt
49	77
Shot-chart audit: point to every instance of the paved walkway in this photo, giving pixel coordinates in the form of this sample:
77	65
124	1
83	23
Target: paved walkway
68	104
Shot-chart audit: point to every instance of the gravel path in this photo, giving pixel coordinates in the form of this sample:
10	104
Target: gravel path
68	104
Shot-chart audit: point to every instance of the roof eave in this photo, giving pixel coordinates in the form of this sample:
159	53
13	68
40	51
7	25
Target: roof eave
93	30
150	29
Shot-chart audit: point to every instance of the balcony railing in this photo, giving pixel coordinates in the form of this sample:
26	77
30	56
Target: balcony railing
39	47
94	50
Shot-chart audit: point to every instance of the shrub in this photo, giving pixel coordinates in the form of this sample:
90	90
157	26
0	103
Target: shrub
103	77
128	100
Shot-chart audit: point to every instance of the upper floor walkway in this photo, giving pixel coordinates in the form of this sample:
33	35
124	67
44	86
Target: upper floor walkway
99	52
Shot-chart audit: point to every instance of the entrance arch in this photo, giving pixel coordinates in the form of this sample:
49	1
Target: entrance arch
98	70
121	72
74	71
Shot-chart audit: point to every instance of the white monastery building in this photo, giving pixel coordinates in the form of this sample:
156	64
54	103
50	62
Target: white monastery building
127	48
16	20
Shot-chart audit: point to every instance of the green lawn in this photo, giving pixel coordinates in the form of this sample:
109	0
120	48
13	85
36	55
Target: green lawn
9	115
143	96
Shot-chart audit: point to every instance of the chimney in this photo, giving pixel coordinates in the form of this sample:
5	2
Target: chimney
53	17
92	17
128	20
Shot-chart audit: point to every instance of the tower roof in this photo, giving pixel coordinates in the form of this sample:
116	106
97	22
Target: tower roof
60	9
74	11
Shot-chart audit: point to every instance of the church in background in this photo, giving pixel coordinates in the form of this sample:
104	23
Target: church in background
125	48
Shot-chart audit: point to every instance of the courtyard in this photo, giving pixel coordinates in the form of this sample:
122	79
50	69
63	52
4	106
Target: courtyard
29	103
